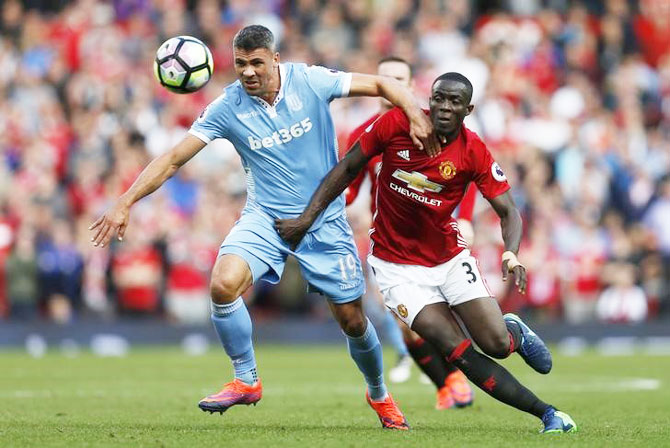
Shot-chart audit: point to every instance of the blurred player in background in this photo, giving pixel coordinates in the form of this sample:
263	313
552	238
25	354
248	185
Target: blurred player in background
452	386
277	116
421	261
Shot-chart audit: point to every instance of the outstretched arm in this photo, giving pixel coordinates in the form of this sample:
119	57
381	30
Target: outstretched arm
421	128
293	230
512	229
115	219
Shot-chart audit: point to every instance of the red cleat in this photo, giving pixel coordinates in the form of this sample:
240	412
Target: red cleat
389	413
235	392
460	389
444	399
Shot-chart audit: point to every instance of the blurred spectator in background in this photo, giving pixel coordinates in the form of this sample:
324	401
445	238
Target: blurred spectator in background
22	277
573	98
136	268
623	301
60	268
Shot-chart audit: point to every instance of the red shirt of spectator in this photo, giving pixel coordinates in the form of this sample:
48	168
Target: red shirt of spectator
416	194
137	273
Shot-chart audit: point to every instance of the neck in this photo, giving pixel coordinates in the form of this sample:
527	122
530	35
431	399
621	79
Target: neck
445	139
273	88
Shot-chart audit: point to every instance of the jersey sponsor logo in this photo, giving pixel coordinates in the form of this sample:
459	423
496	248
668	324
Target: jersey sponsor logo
414	195
293	102
498	173
404	154
417	181
281	136
447	170
402	311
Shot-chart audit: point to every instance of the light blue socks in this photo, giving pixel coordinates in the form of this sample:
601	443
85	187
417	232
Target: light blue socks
366	351
233	326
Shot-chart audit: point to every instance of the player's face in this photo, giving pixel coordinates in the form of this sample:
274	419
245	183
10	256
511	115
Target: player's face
397	70
449	105
257	70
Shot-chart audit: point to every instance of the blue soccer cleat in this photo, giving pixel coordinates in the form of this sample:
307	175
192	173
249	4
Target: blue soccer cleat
532	349
557	422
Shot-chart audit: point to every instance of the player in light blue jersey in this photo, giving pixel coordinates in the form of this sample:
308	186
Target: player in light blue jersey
278	118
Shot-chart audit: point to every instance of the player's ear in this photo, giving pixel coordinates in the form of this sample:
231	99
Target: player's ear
469	109
275	58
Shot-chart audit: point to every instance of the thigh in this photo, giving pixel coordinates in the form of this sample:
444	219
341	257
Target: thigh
329	262
483	320
437	325
254	239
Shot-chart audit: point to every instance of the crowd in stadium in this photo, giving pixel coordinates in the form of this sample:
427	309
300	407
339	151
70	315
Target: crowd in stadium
572	97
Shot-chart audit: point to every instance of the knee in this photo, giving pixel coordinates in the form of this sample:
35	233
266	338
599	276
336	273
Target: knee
354	325
352	320
496	346
224	290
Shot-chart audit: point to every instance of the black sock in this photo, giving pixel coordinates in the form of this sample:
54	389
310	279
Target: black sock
514	331
493	379
430	361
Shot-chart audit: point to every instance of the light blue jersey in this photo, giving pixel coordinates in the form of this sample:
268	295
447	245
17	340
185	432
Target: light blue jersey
288	147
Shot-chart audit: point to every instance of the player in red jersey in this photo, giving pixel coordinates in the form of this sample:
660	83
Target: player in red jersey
452	386
421	261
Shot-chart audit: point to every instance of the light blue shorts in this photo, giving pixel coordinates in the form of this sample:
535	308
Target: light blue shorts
327	256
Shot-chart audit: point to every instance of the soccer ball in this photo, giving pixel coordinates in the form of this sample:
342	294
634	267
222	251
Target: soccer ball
183	64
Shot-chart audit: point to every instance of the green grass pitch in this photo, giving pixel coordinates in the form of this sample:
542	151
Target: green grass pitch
313	397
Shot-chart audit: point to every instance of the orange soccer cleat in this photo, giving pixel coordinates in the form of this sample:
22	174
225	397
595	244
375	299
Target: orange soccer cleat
444	399
460	389
389	413
235	392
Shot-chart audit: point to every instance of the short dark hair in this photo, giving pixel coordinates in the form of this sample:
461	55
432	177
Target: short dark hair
396	59
456	77
254	36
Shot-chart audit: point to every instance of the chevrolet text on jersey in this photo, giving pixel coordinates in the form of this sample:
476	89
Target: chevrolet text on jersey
281	136
416	196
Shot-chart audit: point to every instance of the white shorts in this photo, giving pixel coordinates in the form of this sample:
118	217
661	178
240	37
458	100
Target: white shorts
409	288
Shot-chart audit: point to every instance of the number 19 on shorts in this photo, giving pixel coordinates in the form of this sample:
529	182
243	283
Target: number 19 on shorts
348	267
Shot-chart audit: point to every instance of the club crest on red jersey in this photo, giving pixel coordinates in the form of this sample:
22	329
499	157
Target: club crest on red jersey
447	170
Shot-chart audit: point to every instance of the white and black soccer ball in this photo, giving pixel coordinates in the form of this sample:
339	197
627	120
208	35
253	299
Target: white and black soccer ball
183	64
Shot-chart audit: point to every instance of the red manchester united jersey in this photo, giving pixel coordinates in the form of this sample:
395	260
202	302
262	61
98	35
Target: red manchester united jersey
371	169
416	194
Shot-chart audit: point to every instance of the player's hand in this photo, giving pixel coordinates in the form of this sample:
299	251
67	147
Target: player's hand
519	272
292	230
421	132
113	221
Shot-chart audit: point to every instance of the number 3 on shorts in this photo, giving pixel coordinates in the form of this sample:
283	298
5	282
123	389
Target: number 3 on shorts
348	267
468	270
